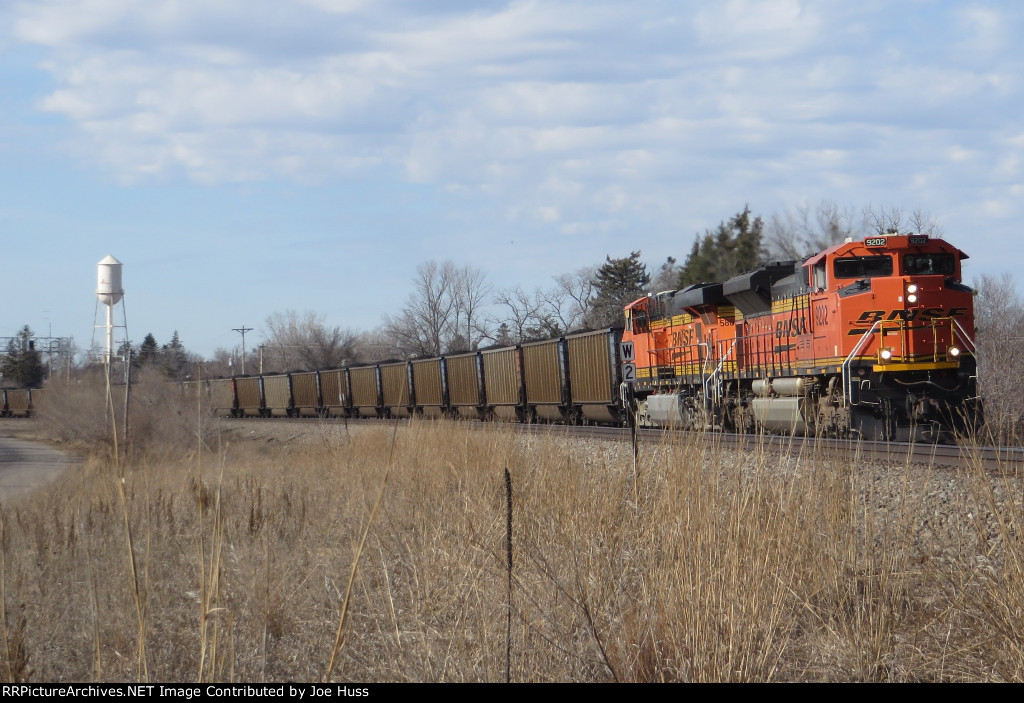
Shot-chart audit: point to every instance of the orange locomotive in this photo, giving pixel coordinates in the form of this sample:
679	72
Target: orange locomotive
871	338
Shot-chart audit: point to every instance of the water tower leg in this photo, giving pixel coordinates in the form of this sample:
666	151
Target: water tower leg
110	336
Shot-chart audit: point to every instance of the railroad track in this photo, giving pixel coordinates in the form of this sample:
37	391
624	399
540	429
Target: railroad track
990	458
1009	459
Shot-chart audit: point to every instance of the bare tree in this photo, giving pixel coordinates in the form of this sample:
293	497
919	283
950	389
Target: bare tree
799	232
472	293
999	325
424	325
923	223
547	312
667	277
295	341
219	365
378	345
569	299
889	219
525	313
442	312
226	362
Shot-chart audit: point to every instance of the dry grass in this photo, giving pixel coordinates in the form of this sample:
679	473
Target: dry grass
219	554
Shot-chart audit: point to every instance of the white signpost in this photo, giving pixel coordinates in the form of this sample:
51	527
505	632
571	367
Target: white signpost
627	353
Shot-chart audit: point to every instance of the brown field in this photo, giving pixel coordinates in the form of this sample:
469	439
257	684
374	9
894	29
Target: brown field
268	552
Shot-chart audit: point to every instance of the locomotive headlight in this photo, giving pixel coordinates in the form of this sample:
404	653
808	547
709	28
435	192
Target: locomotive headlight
912	293
911	298
912	288
886	354
953	351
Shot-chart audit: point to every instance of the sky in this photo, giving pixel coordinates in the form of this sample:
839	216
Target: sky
247	157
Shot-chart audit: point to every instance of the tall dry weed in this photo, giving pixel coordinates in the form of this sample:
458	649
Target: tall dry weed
992	589
163	420
705	563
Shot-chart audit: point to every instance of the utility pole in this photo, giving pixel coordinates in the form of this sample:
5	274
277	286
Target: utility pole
243	329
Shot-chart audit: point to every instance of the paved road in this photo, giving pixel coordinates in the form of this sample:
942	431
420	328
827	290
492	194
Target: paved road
26	465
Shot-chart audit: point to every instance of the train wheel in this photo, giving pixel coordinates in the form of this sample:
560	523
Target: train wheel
699	417
737	416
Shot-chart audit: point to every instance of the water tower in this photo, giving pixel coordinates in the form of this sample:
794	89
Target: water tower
110	293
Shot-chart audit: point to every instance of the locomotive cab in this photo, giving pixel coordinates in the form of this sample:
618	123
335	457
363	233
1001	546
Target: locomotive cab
905	350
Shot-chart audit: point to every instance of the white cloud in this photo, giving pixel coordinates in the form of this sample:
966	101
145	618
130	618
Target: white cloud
751	29
576	113
997	208
558	102
985	29
957	153
60	22
519	31
336	6
548	213
926	86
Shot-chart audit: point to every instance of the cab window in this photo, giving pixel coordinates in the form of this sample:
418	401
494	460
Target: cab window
640	322
862	267
928	265
818	276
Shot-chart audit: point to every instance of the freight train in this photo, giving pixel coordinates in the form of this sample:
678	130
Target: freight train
869	338
20	402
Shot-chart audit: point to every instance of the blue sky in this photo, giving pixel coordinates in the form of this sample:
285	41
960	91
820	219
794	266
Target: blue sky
246	157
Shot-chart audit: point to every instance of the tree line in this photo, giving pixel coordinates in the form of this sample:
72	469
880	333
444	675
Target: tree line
453	308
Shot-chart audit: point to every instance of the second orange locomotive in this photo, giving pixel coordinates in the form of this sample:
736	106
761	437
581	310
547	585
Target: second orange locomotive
871	338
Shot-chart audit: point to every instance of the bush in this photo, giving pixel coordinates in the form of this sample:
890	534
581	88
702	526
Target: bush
161	420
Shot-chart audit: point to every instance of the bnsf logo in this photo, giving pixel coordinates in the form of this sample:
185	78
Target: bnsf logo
870	317
791	328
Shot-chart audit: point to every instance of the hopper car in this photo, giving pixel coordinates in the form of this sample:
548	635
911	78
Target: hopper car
575	378
20	402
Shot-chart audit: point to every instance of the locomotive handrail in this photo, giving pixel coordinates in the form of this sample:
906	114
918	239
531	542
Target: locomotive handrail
718	369
965	336
761	355
847	381
681	358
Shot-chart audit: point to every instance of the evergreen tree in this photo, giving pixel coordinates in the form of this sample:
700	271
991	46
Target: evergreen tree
616	283
503	338
149	351
23	365
175	359
546	328
734	248
125	350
